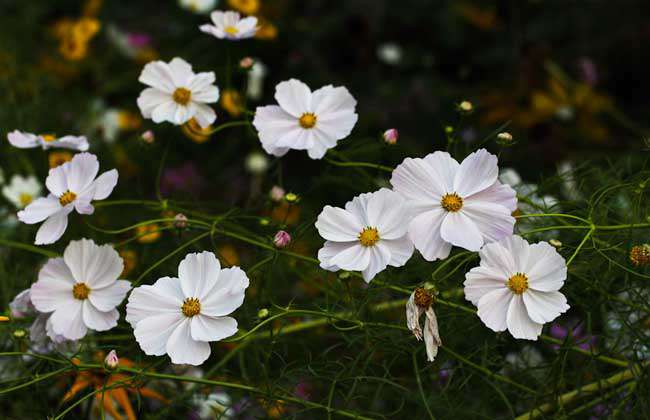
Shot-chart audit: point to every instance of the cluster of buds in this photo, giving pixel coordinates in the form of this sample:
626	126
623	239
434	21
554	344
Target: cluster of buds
421	302
640	255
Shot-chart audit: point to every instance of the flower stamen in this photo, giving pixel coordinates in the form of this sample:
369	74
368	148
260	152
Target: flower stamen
308	120
182	96
47	138
80	291
231	30
369	236
25	199
518	283
67	198
191	307
451	202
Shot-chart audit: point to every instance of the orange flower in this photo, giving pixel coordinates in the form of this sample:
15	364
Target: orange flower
231	101
130	259
74	36
113	391
148	233
194	132
267	30
58	158
228	255
247	7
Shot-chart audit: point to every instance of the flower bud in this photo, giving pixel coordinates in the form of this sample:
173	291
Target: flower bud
180	221
281	239
465	107
556	243
246	63
504	138
20	333
391	135
148	137
262	313
291	198
111	361
277	193
264	221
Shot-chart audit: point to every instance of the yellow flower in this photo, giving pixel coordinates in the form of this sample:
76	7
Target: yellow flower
247	7
58	158
91	8
74	36
231	101
267	30
148	233
127	120
194	132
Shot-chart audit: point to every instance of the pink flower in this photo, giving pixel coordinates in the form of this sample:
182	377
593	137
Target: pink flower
111	361
391	135
281	239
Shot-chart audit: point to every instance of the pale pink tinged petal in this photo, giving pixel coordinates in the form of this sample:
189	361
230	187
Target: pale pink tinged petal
424	231
57	270
83	170
204	115
497	193
156	74
337	224
38	329
496	257
183	349
322	139
107	298
358	207
401	250
105	183
198	273
317	151
443	169
378	261
519	323
207	328
23	140
39	210
493	309
49	295
247	24
165	296
181	72
208	94
544	307
57	179
83	207
150	99
217	17
354	258
68	321
337	125
227	295
493	220
387	213
416	180
480	281
519	248
71	142
164	112
53	227
212	30
152	333
328	100
460	230
98	320
294	97
329	250
546	269
477	172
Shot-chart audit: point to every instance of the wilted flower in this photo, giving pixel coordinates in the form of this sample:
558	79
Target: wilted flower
640	255
111	361
391	135
24	140
281	239
21	191
229	25
421	302
256	163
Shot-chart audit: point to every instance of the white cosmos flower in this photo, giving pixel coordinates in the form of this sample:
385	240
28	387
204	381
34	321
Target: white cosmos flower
25	140
81	290
305	120
461	204
198	6
177	94
230	25
72	186
516	287
367	236
181	316
22	190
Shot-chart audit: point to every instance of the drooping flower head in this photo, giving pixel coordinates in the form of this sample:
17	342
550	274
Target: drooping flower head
22	190
461	204
82	289
177	94
72	186
181	316
516	287
421	302
230	25
368	235
305	120
24	140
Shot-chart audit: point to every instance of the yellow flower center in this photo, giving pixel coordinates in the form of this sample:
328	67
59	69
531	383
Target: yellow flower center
451	202
25	199
67	198
307	120
47	138
80	291
182	96
518	283
191	307
369	236
231	30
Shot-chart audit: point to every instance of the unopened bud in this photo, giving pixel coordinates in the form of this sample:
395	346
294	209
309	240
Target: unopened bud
265	221
262	313
148	137
281	239
277	193
180	221
246	63
504	138
111	361
391	135
20	333
291	198
556	243
465	107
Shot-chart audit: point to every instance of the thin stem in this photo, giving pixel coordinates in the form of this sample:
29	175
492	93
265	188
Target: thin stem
27	247
360	165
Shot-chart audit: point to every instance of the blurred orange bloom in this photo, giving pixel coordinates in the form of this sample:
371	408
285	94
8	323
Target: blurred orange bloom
231	102
194	132
247	7
267	30
58	158
148	233
130	259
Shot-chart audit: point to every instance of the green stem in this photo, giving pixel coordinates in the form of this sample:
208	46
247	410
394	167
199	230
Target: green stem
27	247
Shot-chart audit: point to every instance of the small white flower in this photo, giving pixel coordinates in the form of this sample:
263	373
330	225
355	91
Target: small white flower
177	94
72	186
455	204
198	6
22	190
305	120
230	25
367	236
181	316
25	140
255	85
82	289
390	53
516	287
256	163
420	302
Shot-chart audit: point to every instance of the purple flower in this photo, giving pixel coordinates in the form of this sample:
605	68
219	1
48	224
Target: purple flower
583	340
588	71
138	39
185	178
303	390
